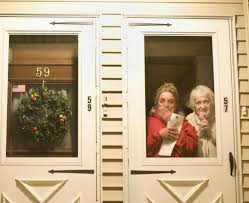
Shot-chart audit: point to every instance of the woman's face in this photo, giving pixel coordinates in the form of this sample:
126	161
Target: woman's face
202	107
167	100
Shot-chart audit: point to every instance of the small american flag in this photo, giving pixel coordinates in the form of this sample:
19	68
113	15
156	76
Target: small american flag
18	88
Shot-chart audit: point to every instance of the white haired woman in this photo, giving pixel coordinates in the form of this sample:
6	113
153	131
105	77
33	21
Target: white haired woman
203	119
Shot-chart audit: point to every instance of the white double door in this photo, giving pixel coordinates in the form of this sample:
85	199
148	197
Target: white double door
186	52
59	52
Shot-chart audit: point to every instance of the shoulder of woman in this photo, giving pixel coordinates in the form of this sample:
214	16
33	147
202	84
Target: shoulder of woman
187	124
190	116
153	119
154	123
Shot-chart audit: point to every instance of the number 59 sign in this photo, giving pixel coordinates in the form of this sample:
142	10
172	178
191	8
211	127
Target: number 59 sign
42	72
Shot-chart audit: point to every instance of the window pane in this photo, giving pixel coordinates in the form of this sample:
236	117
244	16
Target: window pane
42	96
179	65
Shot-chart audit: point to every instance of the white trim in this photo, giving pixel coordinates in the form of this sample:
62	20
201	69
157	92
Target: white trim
125	112
128	8
220	102
86	70
165	17
98	114
146	31
140	1
236	113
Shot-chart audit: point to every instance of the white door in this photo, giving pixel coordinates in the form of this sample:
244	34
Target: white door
48	110
187	53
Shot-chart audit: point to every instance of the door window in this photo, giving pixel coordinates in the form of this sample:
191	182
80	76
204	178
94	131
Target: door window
48	92
179	68
185	56
42	95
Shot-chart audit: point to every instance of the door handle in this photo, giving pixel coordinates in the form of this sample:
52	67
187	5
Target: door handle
72	171
232	163
143	172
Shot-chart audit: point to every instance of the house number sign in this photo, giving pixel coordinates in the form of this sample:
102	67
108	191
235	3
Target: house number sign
46	71
89	103
42	72
225	104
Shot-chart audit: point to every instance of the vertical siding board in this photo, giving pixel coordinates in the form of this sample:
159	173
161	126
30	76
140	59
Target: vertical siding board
111	124
113	59
112	112
111	20
242	60
112	167
112	33
112	140
241	36
244	116
244	126
111	72
246	195
112	98
245	153
242	73
111	46
245	181
241	47
112	153
240	22
111	85
112	196
243	86
245	167
112	181
245	139
243	99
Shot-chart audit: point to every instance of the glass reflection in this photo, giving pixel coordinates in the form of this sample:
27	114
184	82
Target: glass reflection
179	86
42	96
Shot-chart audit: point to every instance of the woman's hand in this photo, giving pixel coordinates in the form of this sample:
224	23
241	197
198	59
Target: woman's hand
169	133
164	114
204	124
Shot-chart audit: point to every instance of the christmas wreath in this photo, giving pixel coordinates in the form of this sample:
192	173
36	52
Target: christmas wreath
44	115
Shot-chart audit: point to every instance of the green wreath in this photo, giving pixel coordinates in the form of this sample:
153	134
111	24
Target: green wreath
44	116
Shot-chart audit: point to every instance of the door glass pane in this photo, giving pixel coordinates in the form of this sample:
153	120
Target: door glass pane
179	89
42	96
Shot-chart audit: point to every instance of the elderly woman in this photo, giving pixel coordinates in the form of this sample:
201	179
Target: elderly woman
203	119
165	103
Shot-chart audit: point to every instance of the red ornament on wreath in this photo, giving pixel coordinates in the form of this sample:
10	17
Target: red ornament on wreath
61	119
34	130
33	98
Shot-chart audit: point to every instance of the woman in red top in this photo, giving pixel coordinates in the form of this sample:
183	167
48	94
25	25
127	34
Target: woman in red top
165	103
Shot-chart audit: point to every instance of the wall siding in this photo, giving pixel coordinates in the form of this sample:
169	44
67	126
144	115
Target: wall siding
244	101
112	125
243	90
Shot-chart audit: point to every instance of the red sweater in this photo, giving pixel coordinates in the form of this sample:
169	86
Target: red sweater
186	145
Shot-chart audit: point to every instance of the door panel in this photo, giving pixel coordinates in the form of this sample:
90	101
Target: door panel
48	114
187	54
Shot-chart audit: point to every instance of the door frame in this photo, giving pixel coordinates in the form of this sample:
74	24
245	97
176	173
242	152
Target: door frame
234	97
95	92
